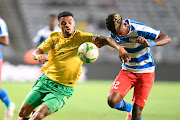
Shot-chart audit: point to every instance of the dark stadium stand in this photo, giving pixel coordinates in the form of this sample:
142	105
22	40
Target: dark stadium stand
163	16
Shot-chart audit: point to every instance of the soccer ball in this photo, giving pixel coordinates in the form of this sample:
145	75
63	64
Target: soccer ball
88	52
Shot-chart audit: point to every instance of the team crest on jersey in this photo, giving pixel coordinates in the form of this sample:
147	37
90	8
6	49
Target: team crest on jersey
74	45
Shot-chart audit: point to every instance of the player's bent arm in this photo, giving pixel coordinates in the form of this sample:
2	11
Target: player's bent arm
123	54
38	55
163	39
102	41
4	40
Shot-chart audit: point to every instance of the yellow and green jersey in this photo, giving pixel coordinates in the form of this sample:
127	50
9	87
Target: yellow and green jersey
64	65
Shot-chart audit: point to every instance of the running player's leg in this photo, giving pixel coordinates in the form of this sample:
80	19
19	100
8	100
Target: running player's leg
26	110
142	89
4	97
41	113
52	102
50	105
136	112
10	106
122	84
33	99
3	94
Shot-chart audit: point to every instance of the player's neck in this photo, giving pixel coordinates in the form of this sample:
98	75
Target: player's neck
128	29
67	35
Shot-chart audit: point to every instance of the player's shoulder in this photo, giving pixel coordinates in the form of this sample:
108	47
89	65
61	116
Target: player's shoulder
83	34
2	22
55	34
138	26
135	22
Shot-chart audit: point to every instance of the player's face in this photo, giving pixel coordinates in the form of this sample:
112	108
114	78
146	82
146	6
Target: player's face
123	30
67	25
53	21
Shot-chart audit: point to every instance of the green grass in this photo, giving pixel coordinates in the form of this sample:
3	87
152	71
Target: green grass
89	102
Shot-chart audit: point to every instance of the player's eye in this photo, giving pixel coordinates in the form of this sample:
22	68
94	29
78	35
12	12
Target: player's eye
63	23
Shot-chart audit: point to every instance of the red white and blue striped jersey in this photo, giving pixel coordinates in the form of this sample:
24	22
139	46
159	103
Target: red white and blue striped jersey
141	58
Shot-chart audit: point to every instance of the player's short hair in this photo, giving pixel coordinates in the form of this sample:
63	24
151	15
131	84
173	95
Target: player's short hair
64	14
113	22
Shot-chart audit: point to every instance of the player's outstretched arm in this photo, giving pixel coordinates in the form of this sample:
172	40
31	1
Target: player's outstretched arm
102	41
162	39
4	40
38	55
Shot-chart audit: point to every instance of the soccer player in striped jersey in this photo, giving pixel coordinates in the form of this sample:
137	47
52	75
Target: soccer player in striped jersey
4	40
137	39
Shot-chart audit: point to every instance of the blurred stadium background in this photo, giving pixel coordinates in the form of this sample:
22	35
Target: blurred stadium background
26	17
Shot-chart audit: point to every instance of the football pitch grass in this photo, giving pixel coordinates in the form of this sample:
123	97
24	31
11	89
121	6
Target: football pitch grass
89	102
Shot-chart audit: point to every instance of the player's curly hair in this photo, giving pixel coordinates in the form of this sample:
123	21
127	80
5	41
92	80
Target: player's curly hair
113	22
64	14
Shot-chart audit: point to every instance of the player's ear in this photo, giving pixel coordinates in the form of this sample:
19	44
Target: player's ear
125	24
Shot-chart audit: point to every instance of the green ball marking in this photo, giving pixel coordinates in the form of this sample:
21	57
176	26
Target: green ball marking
82	55
79	53
88	60
87	47
92	47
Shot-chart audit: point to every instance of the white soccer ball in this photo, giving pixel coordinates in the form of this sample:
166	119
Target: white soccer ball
88	52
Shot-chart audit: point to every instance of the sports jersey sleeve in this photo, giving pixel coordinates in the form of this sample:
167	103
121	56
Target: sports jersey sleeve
114	37
46	46
3	28
147	32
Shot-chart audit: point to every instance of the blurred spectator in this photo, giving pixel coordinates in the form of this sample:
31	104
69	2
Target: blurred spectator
44	33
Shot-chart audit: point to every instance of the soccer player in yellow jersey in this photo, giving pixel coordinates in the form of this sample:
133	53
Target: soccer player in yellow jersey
53	89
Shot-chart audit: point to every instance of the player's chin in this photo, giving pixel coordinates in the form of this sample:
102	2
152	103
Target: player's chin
124	35
68	31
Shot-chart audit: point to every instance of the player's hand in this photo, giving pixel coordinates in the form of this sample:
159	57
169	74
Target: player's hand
143	41
99	41
124	55
41	58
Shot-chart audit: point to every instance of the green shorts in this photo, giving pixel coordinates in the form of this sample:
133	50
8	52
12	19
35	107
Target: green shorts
45	91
